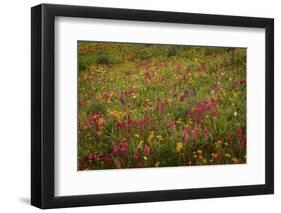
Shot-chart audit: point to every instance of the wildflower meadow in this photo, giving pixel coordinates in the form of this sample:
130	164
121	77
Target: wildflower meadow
156	105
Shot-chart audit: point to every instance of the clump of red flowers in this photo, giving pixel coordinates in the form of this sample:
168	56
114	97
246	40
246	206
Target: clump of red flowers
128	122
178	65
231	137
198	112
202	67
206	132
195	132
241	135
185	133
185	95
160	105
120	148
94	119
172	125
147	150
87	161
241	82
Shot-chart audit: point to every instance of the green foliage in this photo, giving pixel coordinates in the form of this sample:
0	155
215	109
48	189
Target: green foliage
172	51
95	107
103	59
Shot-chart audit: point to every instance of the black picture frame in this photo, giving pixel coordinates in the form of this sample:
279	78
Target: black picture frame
43	105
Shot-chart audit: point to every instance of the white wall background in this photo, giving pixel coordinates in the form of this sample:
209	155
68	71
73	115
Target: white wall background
15	105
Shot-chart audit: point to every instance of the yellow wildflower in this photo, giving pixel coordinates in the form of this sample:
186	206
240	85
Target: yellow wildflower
199	152
234	160
179	146
145	158
179	121
150	137
160	137
170	100
227	155
218	143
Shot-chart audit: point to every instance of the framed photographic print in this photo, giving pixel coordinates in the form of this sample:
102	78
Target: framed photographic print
139	106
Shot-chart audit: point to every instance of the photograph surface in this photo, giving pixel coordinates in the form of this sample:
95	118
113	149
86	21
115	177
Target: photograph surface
160	105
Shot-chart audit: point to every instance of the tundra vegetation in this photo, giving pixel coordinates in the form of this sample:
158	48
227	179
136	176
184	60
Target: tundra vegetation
152	105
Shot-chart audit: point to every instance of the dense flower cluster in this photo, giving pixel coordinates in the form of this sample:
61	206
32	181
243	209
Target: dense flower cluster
120	148
94	119
198	112
128	122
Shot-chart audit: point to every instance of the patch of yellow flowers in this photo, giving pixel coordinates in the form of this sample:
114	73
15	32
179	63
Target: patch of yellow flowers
218	143
116	114
160	137
227	155
179	146
150	136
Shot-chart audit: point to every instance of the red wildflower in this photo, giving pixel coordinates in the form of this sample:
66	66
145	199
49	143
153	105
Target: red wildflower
178	65
215	112
172	125
242	82
241	136
195	132
85	124
160	105
231	137
240	133
158	65
244	140
120	148
108	160
216	155
202	67
147	150
121	125
123	147
206	132
185	133
115	149
138	155
87	161
92	158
